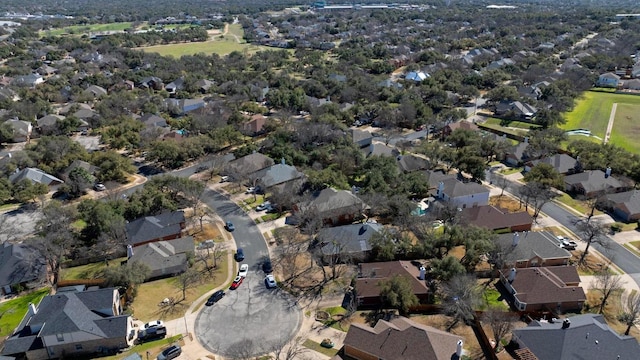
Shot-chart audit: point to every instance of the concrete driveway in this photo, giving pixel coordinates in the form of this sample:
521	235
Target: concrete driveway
251	320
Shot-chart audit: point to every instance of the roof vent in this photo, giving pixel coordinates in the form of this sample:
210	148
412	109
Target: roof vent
566	323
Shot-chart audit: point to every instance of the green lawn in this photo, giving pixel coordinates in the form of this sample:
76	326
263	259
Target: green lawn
153	347
592	112
578	205
513	124
502	129
89	271
220	47
86	29
13	311
491	299
310	344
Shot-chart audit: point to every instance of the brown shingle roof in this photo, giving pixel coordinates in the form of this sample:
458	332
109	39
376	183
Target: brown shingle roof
371	274
402	339
543	285
490	217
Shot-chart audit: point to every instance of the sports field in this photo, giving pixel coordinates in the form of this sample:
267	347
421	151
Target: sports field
592	112
86	29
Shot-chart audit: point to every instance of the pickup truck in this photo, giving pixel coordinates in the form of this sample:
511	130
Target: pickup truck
566	243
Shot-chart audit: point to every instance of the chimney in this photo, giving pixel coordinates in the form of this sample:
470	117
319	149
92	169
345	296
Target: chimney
283	162
459	348
31	310
512	275
516	239
440	192
566	323
423	272
526	139
129	251
607	172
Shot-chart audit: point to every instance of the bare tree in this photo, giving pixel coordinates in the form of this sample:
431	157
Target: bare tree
188	280
461	296
500	181
289	349
215	253
242	350
631	315
606	282
500	321
591	231
291	245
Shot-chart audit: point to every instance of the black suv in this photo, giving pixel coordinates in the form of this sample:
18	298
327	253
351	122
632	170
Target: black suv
171	352
239	255
152	333
266	267
215	297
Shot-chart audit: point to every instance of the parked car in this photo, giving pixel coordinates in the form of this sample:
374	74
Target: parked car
264	206
239	255
200	169
207	244
251	190
224	178
171	352
152	333
215	297
99	187
154	323
566	243
267	267
229	226
244	269
270	282
236	282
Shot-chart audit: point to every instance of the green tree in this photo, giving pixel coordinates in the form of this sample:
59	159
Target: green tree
546	175
100	217
5	190
113	166
131	275
79	180
397	292
446	268
25	190
6	133
461	296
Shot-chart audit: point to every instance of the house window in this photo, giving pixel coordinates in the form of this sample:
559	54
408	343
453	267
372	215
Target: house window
78	347
60	337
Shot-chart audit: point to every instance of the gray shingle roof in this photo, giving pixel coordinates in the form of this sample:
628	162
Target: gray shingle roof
587	337
592	180
277	174
164	257
250	163
530	245
20	263
454	188
408	163
629	201
150	228
562	163
352	238
77	316
34	175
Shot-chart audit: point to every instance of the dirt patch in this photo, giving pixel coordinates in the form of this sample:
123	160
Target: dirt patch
507	204
209	231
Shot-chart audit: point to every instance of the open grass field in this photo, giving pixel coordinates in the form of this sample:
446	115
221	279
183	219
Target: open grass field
86	29
512	124
13	310
220	47
592	112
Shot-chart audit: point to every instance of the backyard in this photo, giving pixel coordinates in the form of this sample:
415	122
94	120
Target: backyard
592	112
12	311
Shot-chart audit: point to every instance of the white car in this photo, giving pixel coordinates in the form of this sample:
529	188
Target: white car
154	323
250	190
270	281
264	206
244	269
100	187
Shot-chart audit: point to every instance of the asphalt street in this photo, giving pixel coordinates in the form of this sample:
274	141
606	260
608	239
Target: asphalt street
252	319
615	252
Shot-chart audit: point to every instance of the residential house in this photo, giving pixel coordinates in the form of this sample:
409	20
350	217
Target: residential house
21	129
390	84
592	183
165	226
151	82
204	85
8	94
175	85
35	176
95	91
554	288
633	84
336	244
248	164
608	80
517	154
72	325
183	106
401	339
164	258
361	138
86	115
410	162
496	219
21	266
462	124
585	336
334	207
315	102
48	124
30	80
533	91
561	163
255	125
277	175
91	169
500	63
515	109
153	121
530	249
377	148
462	194
72	108
372	275
416	76
625	205
46	70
